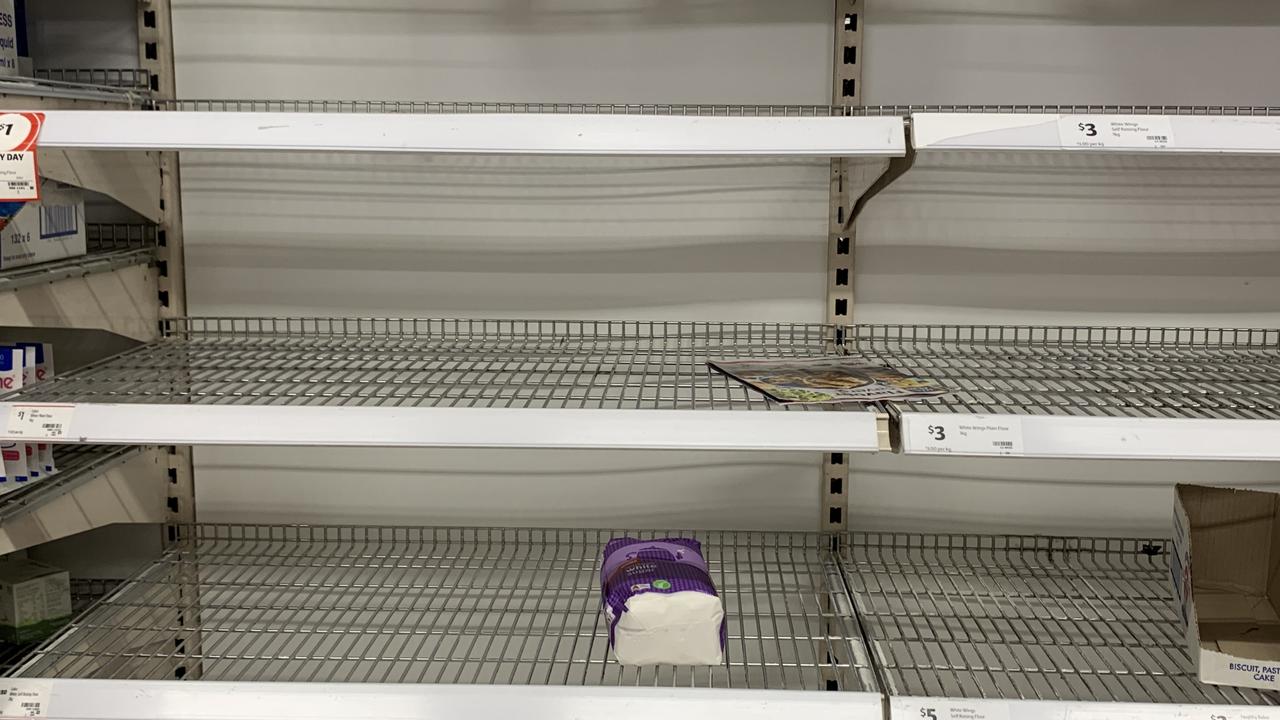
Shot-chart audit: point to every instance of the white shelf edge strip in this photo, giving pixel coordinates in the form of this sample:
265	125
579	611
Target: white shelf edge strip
1095	437
1244	135
916	708
166	700
147	424
476	133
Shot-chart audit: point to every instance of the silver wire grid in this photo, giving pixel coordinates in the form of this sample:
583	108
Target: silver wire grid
76	465
445	363
1018	617
460	605
723	110
109	247
1095	371
105	237
118	86
130	78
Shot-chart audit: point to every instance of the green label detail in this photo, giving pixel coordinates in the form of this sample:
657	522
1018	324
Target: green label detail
662	584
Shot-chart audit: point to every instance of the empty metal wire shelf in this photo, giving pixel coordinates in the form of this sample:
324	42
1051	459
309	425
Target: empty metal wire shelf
1017	617
1093	371
443	363
413	605
1063	371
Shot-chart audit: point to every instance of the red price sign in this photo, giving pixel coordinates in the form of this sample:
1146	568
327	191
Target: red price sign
19	176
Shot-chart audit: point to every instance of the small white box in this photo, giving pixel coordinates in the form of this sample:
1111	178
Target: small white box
8	39
35	600
49	229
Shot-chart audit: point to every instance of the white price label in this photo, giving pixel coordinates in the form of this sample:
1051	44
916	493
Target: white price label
949	709
44	422
943	434
25	698
19	178
1134	132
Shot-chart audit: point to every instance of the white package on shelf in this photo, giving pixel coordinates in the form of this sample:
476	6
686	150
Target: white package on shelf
42	370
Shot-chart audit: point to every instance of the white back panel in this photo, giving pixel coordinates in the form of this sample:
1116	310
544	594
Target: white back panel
714	240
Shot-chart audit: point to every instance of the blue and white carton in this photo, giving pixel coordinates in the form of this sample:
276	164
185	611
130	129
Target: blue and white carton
51	228
1225	572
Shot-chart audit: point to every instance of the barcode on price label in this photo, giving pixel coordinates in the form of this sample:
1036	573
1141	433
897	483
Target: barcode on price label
1134	132
948	709
25	698
943	434
44	422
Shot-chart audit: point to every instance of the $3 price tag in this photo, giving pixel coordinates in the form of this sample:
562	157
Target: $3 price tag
1117	132
963	434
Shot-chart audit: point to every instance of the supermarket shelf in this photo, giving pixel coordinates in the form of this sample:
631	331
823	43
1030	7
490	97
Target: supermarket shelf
507	133
111	247
471	383
1029	627
95	486
1098	132
1175	393
407	609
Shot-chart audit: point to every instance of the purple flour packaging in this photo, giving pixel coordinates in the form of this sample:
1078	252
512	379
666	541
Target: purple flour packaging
660	603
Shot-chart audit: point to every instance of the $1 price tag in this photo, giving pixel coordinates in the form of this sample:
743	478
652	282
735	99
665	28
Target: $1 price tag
25	698
44	422
19	176
1133	132
942	434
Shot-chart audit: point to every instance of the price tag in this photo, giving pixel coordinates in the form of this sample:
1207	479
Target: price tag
25	698
1134	132
949	709
19	177
942	434
44	422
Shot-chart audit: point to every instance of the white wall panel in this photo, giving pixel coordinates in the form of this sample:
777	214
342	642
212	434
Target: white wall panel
300	234
1065	239
631	239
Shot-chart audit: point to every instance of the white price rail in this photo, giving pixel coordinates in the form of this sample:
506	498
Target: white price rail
537	134
918	708
1069	436
155	424
1102	132
168	700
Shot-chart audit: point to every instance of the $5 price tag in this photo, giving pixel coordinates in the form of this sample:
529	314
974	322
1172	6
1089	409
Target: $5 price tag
943	709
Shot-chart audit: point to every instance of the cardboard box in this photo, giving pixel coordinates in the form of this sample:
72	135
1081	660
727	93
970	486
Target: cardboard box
35	600
51	229
1226	578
